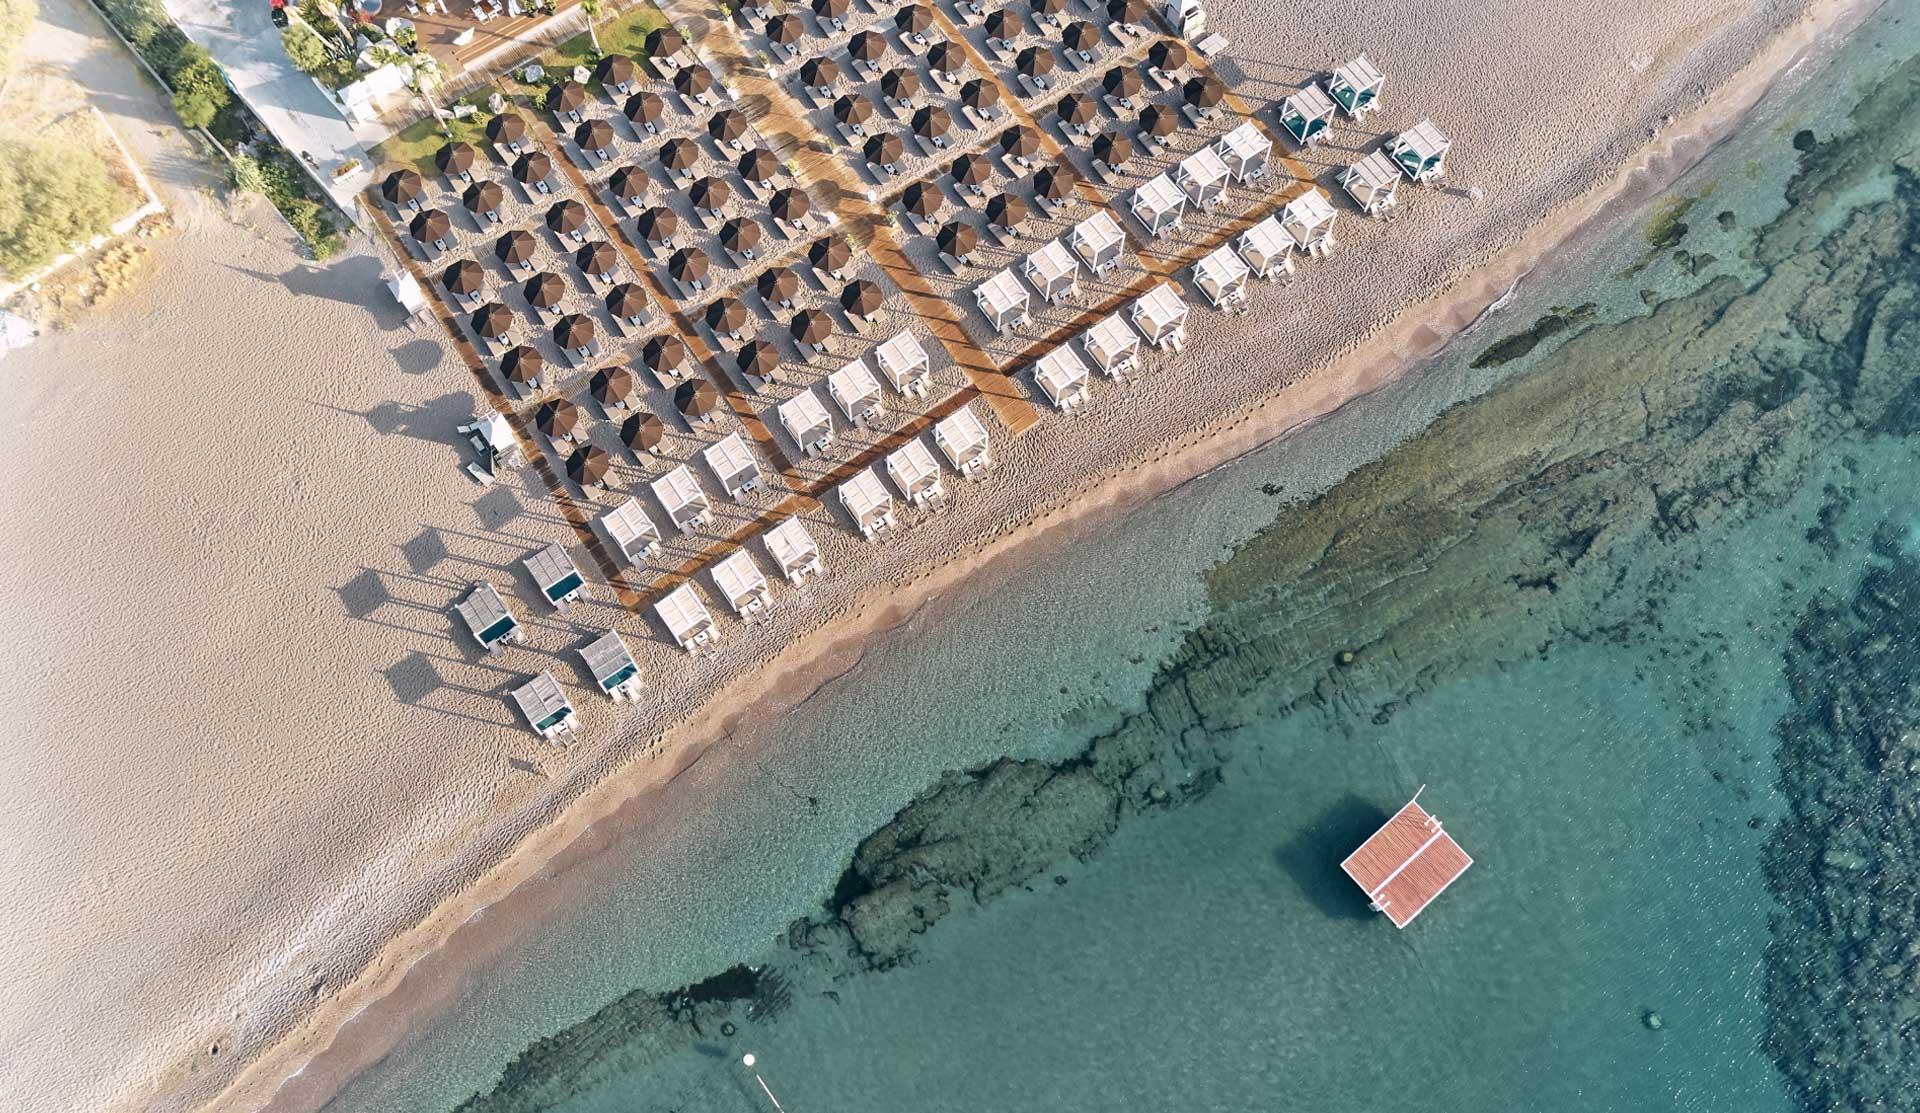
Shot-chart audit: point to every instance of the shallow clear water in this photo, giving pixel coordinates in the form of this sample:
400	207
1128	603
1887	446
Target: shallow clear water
1607	951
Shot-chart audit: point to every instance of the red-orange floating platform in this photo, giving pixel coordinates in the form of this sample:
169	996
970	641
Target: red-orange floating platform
1406	864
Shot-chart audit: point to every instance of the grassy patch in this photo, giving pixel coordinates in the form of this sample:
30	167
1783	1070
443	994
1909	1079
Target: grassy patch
625	33
414	146
1557	320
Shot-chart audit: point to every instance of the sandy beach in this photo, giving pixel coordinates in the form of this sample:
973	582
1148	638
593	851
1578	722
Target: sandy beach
238	884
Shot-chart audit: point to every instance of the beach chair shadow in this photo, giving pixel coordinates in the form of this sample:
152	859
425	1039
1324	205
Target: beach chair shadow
1312	857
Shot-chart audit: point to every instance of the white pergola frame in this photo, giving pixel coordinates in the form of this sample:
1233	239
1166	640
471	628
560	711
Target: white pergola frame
1364	79
1313	106
807	422
552	568
1158	205
1053	272
1003	300
1113	345
1266	248
1062	376
1203	177
732	463
686	618
1099	241
1372	182
683	499
916	473
794	551
632	531
867	502
1222	277
545	705
612	666
904	362
1161	316
963	440
1245	150
482	610
856	392
741	583
1429	146
1308	220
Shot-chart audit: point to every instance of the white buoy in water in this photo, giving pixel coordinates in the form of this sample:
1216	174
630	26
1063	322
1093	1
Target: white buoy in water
748	1061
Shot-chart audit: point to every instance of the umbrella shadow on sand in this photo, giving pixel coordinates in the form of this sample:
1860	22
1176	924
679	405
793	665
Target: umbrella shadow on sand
355	280
1312	857
436	420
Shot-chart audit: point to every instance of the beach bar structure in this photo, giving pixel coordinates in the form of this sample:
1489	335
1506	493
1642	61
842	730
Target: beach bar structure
633	534
1158	205
1404	865
687	619
1161	317
554	573
487	617
1098	241
905	364
963	441
546	706
1203	177
1003	299
1222	277
1308	221
1372	183
680	495
917	474
806	421
1355	87
1245	151
856	392
1112	345
1062	375
1053	272
732	464
1307	114
1420	151
793	550
611	666
869	505
741	584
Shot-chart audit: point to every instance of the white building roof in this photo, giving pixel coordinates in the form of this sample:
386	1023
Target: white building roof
853	386
960	435
1061	372
1002	296
1110	338
609	661
1360	73
554	571
739	579
543	702
1245	144
791	546
1159	310
913	468
1156	197
865	497
680	493
683	613
1219	271
1264	244
731	461
1051	267
1097	236
901	359
629	526
485	614
1201	170
805	418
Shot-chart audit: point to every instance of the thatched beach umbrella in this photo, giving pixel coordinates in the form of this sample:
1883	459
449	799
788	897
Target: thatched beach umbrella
726	314
594	135
902	84
492	320
1159	119
573	331
694	81
454	157
689	264
1168	54
1036	61
946	57
884	149
829	253
430	226
861	298
588	466
785	29
811	326
658	224
662	41
922	199
515	248
506	129
611	386
642	432
740	235
790	205
533	167
758	358
914	19
778	284
1081	35
1077	109
557	417
567	96
696	398
597	258
1204	91
820	72
679	154
710	193
1055	183
1021	142
1004	25
482	198
567	216
626	301
402	187
1112	148
852	109
544	290
980	94
614	69
758	166
664	353
971	170
629	183
729	125
1007	211
932	122
1127	11
867	46
523	365
958	239
644	108
1121	81
465	278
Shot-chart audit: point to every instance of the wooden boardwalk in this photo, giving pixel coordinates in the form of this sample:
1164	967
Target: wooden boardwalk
1406	864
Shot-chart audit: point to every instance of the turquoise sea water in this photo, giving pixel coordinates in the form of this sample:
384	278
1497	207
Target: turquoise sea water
1605	745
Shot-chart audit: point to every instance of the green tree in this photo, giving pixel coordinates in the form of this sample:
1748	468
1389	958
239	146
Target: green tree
305	48
16	17
199	92
591	9
53	196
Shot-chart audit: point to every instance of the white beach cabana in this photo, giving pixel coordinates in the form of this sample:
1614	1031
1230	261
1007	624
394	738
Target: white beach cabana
1161	316
1158	205
487	617
1203	177
612	666
793	550
1003	299
962	439
905	364
741	584
1112	345
546	706
686	618
732	464
807	422
1266	249
1372	183
869	505
554	573
1052	271
1307	114
856	392
1245	151
633	534
1222	277
680	495
917	474
1355	87
1062	376
1099	241
1308	221
1420	151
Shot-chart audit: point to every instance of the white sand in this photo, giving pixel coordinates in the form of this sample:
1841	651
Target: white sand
252	749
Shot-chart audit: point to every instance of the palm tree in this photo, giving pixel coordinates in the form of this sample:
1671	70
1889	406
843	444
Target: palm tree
592	8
